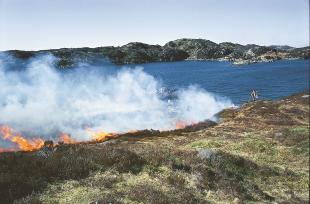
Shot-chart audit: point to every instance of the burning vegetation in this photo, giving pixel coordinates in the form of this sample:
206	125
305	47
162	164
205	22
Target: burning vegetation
22	143
32	144
258	153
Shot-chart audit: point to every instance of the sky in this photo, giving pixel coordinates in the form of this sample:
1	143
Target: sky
45	24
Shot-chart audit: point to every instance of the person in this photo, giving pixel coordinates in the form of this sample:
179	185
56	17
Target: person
254	95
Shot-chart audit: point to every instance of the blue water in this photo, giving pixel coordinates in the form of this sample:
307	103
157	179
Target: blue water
272	80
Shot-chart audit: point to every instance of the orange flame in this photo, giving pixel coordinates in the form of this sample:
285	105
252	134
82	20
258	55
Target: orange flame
66	138
23	143
101	135
180	125
33	144
5	131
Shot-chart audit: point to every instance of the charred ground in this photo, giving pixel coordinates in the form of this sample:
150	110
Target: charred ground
257	153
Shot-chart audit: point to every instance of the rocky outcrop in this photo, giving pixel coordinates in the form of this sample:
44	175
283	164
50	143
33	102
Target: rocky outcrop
196	49
177	50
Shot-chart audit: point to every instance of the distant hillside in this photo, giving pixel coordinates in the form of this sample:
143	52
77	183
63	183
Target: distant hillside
177	50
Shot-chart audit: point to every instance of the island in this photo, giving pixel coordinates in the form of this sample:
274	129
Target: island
177	50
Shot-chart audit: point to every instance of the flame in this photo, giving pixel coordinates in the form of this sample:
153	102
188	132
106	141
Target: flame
5	131
101	135
23	143
180	125
65	138
33	144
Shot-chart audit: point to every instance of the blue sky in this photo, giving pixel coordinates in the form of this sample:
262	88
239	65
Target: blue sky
43	24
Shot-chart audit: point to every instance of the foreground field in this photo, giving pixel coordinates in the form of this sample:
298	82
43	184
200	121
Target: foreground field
258	153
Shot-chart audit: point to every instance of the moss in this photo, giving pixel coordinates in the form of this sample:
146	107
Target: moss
254	145
302	149
179	164
207	143
300	130
71	194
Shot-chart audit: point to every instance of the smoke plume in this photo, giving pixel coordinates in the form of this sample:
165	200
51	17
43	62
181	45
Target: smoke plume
40	100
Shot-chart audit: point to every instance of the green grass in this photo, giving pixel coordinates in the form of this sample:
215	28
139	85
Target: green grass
300	130
207	143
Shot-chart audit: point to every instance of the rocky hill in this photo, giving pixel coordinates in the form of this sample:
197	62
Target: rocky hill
258	153
177	50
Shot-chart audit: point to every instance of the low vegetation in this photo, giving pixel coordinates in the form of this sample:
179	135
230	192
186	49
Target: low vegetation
257	154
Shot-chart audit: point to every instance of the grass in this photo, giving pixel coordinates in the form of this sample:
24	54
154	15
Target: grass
287	163
179	176
234	162
207	143
299	130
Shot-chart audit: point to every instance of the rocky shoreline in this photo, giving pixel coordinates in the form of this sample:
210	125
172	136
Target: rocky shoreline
177	50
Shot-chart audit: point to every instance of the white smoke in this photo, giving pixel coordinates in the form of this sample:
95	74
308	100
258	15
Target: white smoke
40	100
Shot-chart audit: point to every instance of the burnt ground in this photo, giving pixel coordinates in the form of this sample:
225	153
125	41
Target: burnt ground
258	153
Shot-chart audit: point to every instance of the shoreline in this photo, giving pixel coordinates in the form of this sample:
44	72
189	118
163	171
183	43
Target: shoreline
177	50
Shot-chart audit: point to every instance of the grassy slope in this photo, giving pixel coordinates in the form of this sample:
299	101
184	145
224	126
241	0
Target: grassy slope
257	154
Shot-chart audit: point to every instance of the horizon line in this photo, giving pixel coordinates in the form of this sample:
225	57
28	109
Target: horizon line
120	45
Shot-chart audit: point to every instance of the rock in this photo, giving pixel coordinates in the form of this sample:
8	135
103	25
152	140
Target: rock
208	154
278	136
177	50
108	142
236	201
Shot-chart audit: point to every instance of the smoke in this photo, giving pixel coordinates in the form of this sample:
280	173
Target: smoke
40	100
